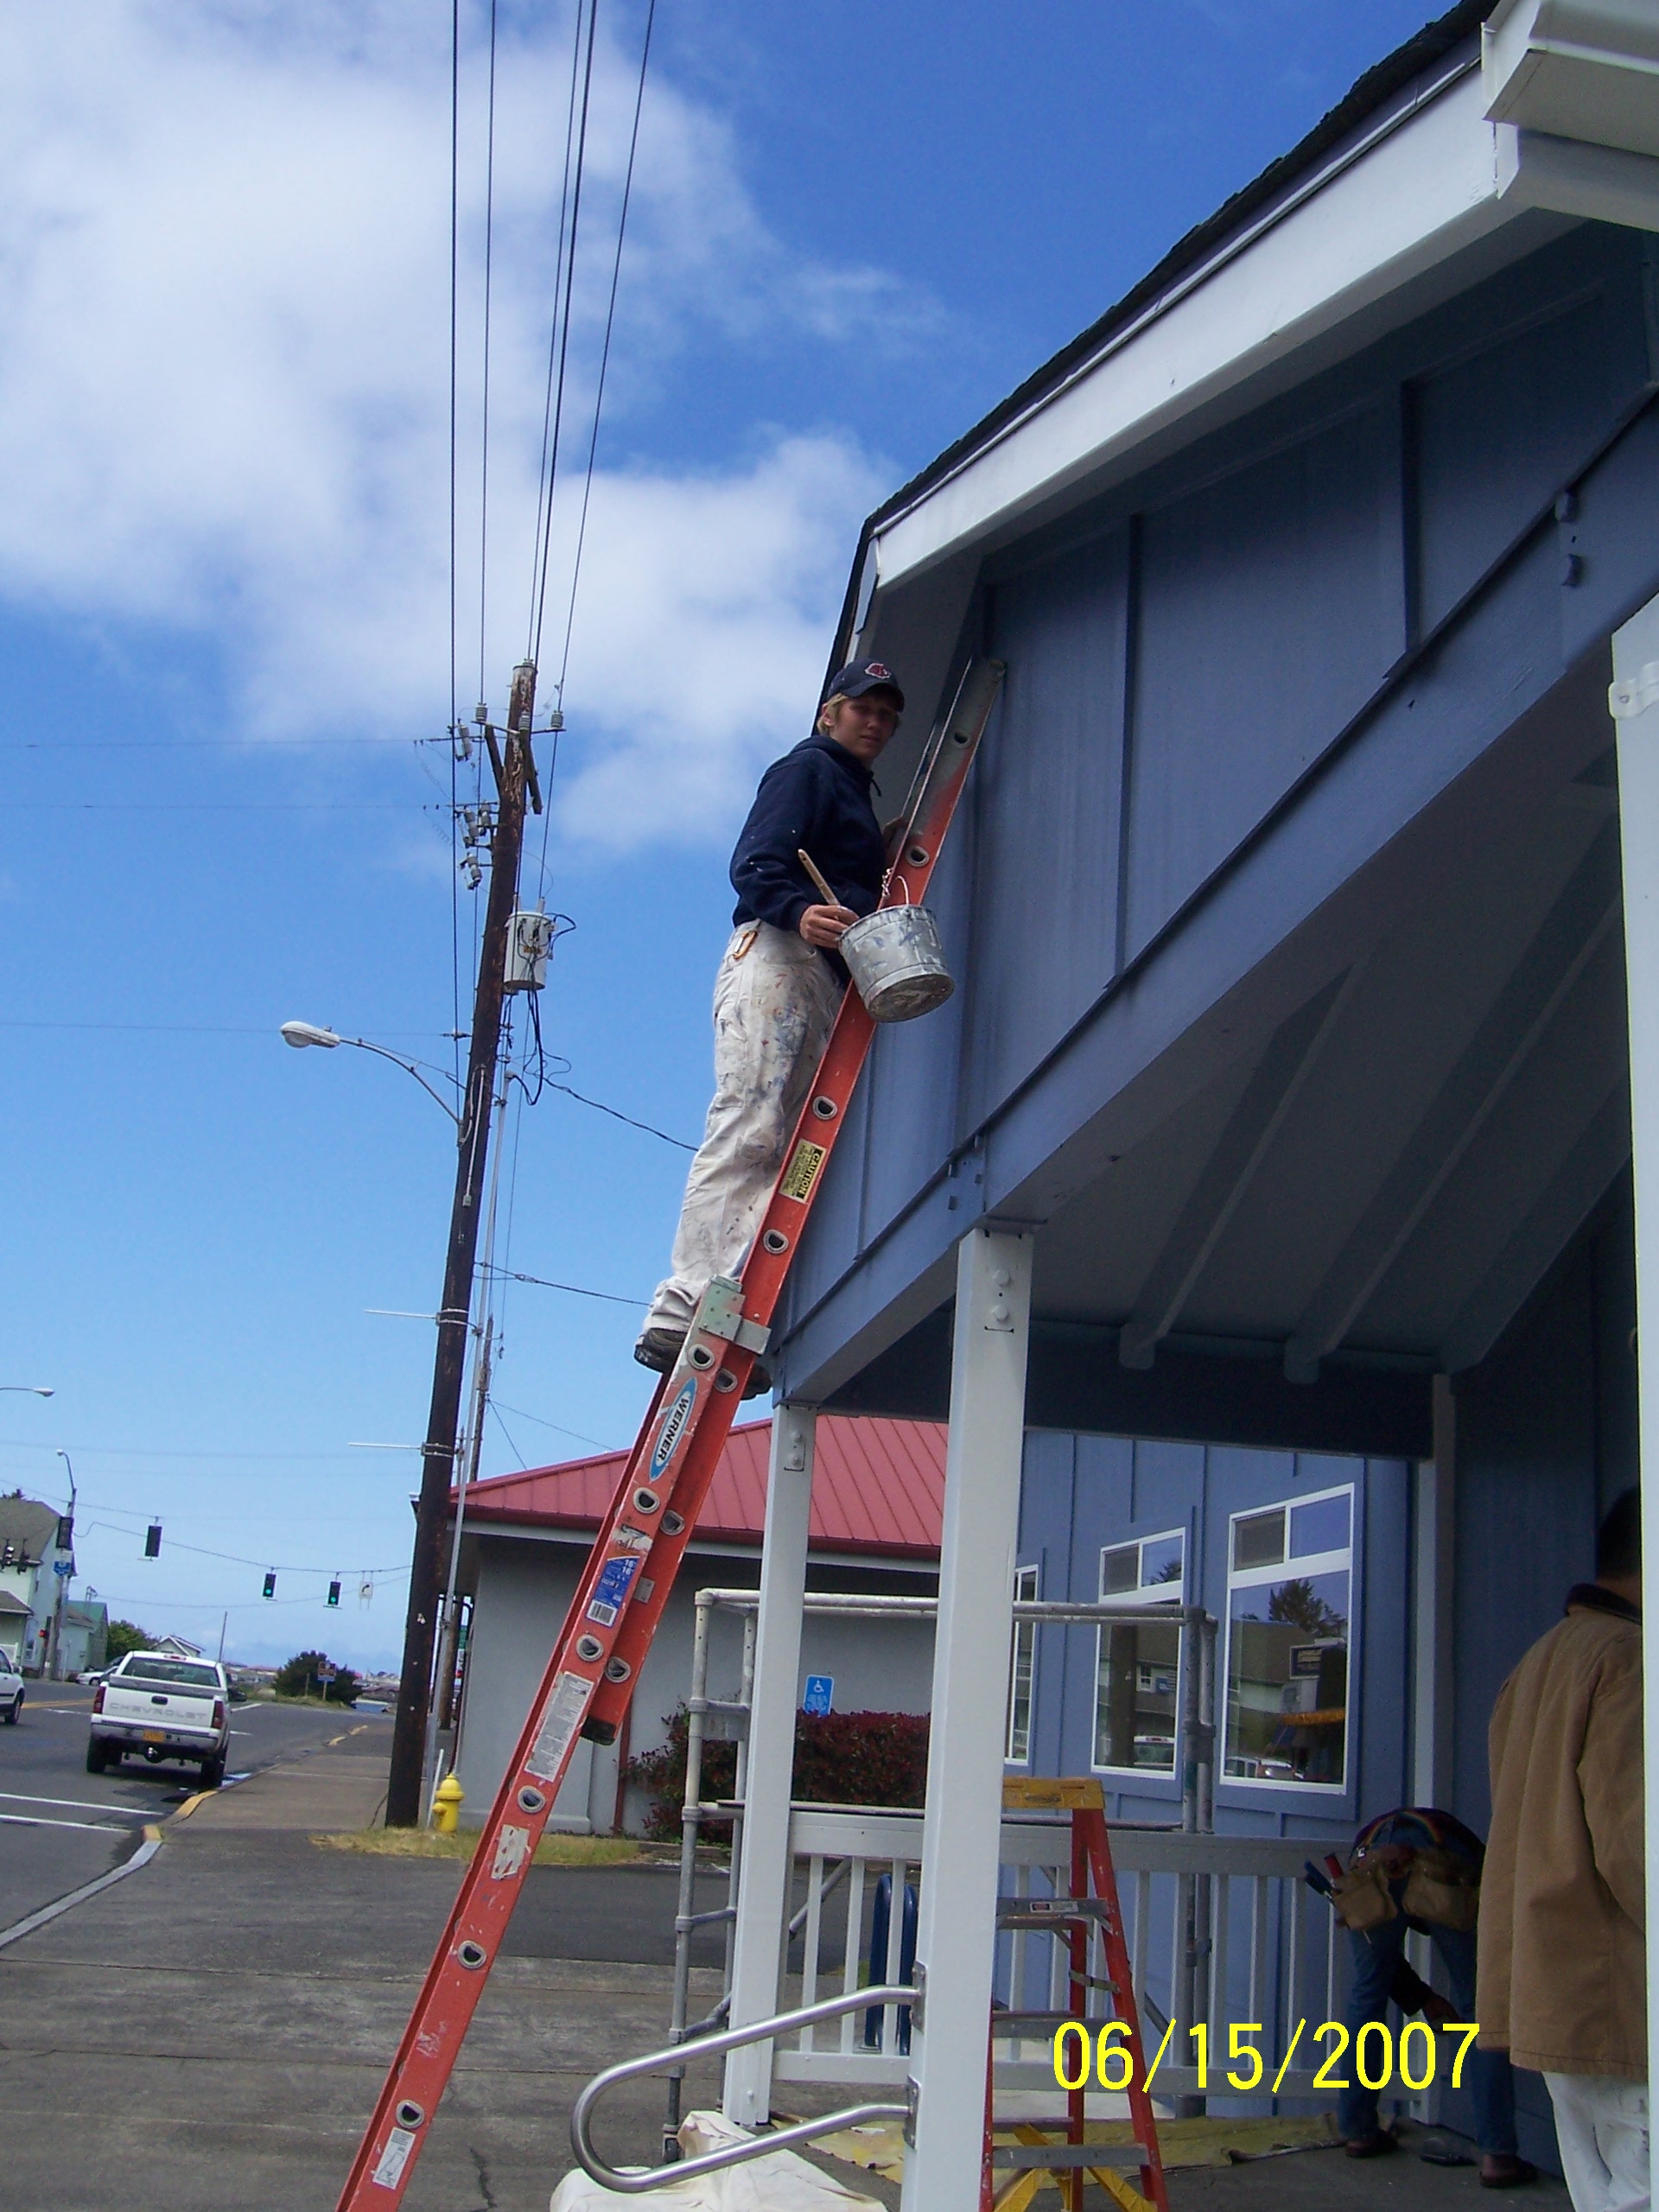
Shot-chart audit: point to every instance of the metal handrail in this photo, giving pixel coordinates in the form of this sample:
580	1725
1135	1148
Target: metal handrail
636	2182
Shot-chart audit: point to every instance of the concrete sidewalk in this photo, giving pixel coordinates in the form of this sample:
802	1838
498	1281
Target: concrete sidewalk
339	1786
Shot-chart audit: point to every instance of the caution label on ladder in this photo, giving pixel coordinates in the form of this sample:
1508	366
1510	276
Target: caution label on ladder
559	1725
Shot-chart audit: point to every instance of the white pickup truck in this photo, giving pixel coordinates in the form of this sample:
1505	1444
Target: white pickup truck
157	1707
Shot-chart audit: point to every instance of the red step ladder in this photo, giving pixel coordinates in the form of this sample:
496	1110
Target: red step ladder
590	1678
1093	1902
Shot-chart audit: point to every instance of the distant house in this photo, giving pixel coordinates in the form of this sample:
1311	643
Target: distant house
15	1618
31	1547
83	1636
875	1527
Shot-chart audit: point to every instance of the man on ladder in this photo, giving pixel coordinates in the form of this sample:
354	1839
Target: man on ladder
778	987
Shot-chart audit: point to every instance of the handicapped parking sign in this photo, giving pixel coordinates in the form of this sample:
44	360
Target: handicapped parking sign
820	1694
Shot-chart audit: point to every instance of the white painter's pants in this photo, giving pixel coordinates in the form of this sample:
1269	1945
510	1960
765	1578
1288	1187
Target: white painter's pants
1601	2126
775	1002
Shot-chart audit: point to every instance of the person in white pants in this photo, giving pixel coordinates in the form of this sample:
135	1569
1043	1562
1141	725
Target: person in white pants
1561	1981
779	985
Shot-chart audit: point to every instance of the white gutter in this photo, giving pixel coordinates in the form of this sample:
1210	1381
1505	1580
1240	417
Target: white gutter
1418	188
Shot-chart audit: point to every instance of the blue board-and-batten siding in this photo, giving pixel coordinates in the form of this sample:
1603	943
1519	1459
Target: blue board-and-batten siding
1081	1493
1231	685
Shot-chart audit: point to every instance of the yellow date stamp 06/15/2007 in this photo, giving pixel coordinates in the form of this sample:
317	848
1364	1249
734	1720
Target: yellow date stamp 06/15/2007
1084	2056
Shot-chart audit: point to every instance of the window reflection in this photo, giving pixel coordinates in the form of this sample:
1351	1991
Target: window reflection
1138	1663
1287	1639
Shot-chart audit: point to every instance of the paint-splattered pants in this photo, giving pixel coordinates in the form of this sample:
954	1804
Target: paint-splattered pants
775	1000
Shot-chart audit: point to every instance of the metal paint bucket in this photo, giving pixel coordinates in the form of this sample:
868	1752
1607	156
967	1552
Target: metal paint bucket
896	962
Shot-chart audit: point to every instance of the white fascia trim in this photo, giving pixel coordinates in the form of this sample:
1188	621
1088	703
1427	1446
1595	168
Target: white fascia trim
1419	188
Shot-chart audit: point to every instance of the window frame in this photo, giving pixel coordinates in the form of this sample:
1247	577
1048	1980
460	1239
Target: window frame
1158	1594
1024	1636
1344	1560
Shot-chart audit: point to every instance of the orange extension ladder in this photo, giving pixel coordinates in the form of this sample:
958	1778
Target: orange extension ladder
589	1679
1093	1902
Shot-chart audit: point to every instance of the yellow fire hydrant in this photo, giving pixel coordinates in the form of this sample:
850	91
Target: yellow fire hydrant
446	1805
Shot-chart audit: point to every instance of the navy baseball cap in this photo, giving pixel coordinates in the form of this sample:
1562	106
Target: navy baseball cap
862	675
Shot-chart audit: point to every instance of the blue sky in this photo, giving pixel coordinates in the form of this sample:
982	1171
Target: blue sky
224	642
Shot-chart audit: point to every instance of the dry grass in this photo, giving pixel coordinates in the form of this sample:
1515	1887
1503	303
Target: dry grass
552	1851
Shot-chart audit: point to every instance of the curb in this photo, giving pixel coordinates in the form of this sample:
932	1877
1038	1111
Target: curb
146	1851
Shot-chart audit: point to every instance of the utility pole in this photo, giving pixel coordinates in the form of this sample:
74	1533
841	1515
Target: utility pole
515	778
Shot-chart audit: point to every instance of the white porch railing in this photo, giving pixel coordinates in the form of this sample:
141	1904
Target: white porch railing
1272	1957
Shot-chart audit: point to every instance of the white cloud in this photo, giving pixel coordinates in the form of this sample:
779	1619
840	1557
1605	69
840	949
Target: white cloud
224	382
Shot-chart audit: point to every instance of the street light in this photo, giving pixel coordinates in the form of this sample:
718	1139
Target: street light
29	1389
299	1034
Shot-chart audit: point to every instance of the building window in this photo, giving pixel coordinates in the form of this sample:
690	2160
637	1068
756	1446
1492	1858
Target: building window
1022	1675
1137	1665
1289	1583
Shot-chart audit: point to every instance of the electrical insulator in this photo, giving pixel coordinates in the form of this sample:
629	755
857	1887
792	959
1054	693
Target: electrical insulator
153	1541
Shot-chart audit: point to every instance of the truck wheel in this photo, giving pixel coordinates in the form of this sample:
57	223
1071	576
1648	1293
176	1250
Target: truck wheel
212	1772
98	1756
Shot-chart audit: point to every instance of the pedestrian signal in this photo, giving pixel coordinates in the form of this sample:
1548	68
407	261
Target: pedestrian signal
270	1586
334	1594
153	1541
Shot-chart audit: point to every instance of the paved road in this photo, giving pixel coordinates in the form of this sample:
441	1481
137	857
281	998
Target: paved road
61	1826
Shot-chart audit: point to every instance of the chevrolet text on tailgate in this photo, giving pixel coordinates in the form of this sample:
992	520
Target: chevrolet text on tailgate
154	1707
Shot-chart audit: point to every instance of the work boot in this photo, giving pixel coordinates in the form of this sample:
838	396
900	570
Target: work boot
1377	2145
1499	2172
659	1347
760	1382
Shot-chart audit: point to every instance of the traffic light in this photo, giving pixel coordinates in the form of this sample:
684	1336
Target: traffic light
153	1541
271	1583
334	1593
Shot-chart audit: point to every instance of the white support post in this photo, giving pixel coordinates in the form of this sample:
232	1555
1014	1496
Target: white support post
1432	1715
1635	700
961	1835
1432	1712
763	1887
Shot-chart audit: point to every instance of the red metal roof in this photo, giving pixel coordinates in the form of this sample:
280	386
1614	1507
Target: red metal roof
878	1486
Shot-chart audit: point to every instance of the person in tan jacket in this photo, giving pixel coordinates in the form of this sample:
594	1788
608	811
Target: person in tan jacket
1561	1975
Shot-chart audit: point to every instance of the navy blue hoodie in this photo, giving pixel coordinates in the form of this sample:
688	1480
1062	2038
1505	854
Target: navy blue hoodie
816	799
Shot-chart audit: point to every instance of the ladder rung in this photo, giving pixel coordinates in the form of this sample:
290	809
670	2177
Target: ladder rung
1056	2157
1028	2023
1041	1912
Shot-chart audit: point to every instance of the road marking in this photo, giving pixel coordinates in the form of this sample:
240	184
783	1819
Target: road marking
76	1804
42	1820
146	1851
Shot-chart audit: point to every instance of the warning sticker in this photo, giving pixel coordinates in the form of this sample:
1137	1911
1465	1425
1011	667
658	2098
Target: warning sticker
611	1591
802	1171
632	1540
512	1849
559	1725
393	2160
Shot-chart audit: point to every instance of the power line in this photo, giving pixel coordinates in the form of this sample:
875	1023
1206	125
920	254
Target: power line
544	482
605	351
592	442
679	1143
564	336
484	454
607	1297
541	1421
235	1559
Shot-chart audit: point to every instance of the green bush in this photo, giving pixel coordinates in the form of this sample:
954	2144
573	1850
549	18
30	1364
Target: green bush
841	1758
301	1676
124	1637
